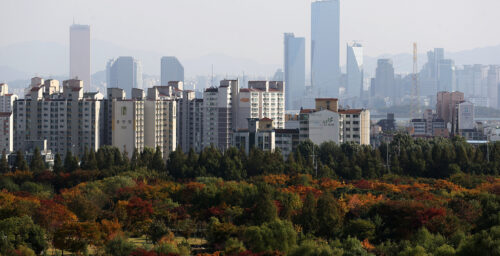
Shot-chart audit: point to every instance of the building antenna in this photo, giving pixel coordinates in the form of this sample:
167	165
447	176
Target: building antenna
212	79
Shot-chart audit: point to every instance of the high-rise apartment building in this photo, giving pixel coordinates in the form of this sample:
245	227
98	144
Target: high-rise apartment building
354	66
262	99
124	73
128	125
325	47
79	54
190	122
160	118
446	80
69	120
171	70
6	119
295	68
220	114
493	84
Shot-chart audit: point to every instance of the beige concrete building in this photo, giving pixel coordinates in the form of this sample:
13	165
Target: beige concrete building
128	125
355	126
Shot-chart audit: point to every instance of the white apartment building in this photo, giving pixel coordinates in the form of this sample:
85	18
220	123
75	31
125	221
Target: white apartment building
219	108
160	119
128	125
6	119
262	99
260	135
190	122
355	126
69	120
320	126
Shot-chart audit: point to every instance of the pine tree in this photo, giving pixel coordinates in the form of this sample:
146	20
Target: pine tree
157	162
58	164
70	162
21	163
91	160
135	159
37	164
4	164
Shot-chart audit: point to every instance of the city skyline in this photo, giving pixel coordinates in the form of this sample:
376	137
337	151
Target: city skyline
357	23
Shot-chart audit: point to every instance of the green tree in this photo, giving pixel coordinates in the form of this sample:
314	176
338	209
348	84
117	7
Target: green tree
4	164
37	164
157	162
21	163
17	231
276	235
70	162
119	246
58	164
330	216
308	217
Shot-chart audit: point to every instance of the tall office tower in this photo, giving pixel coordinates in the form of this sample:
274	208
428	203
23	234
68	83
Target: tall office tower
160	120
262	99
445	106
219	108
384	79
446	80
295	70
70	120
171	70
492	82
325	46
355	74
79	54
124	73
190	122
279	75
6	119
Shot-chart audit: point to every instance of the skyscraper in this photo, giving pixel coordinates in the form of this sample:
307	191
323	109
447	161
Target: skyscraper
354	69
171	70
295	68
384	79
79	54
325	44
124	73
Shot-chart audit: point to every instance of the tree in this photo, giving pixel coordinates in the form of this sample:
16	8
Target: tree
157	229
276	235
308	218
76	236
4	164
70	162
265	209
17	231
157	163
58	164
330	216
21	163
37	164
119	246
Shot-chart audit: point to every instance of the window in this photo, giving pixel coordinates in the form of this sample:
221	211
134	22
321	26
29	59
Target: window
124	110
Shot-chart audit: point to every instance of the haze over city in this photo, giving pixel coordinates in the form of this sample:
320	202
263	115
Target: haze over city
251	30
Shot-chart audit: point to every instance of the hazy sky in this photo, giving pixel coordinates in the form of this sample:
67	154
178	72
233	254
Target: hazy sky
252	28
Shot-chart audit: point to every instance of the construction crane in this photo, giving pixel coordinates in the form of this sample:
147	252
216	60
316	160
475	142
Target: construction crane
415	92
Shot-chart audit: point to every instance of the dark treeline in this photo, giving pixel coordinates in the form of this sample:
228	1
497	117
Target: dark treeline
437	158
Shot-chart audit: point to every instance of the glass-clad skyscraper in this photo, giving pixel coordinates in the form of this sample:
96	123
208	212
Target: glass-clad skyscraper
171	70
354	69
325	44
295	68
125	73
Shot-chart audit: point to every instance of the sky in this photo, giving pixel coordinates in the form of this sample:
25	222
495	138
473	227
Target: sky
252	28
